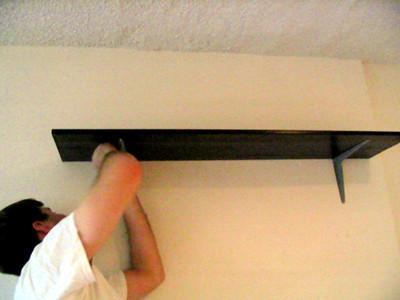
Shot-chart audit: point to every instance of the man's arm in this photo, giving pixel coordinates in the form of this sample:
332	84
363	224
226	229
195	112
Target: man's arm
147	272
99	213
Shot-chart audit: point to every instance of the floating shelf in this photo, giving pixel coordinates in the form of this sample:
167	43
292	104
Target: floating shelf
222	144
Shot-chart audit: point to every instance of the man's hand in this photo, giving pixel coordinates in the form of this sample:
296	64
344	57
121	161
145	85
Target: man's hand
100	152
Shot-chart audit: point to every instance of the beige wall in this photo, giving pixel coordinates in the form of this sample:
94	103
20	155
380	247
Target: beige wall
383	83
225	229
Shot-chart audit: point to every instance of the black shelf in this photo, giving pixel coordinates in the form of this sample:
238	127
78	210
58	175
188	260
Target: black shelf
220	144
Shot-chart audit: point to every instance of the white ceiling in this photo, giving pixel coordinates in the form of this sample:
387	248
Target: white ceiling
366	30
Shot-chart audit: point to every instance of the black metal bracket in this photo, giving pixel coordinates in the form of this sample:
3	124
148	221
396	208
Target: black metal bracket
337	163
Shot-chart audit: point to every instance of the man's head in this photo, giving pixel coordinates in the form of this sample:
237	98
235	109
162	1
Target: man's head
43	227
23	225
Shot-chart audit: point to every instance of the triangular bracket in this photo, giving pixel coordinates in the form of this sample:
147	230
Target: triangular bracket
337	163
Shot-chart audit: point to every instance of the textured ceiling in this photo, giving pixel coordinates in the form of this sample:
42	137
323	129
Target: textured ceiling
366	30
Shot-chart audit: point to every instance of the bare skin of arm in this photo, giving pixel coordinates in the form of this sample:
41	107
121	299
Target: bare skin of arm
147	272
112	196
100	211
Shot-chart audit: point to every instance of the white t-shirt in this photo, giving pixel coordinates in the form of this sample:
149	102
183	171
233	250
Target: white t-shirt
58	268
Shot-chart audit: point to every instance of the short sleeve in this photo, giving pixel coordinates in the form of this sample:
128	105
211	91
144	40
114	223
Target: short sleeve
57	266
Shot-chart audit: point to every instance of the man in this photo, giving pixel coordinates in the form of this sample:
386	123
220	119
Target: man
52	253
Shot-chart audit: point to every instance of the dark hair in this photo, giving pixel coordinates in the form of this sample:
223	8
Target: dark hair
17	236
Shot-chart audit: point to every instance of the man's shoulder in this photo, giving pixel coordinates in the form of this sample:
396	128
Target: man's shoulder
57	266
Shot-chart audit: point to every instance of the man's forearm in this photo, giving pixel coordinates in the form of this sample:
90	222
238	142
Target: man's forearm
144	251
